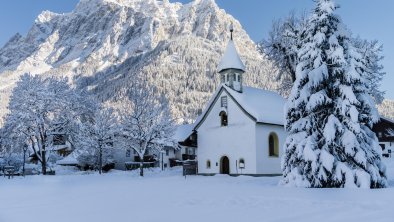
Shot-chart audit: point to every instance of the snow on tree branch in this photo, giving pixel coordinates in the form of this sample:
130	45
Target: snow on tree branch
146	121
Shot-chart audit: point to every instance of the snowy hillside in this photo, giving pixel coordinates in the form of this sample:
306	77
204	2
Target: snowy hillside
387	108
102	44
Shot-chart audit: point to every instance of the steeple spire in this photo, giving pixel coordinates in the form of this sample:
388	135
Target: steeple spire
231	31
231	66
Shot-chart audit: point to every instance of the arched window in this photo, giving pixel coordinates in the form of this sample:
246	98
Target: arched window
208	164
223	118
241	163
273	145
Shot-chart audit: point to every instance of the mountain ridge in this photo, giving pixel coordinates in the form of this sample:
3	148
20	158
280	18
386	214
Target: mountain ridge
102	45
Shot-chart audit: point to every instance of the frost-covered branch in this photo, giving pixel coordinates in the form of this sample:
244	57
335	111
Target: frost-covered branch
40	107
146	121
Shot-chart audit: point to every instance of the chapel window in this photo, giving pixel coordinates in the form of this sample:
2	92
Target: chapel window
223	118
241	163
273	145
223	101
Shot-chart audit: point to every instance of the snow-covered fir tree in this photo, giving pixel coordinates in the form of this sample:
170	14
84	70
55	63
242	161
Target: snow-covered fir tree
330	113
285	40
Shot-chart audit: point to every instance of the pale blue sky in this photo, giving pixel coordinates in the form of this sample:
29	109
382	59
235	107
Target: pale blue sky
371	19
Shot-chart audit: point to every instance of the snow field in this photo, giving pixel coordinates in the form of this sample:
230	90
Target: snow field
168	196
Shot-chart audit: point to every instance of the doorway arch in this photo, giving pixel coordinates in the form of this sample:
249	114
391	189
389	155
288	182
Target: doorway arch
224	165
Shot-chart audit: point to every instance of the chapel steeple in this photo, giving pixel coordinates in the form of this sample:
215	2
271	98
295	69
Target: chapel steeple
231	67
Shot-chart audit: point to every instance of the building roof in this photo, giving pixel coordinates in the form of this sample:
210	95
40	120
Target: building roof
69	160
262	106
386	119
61	147
231	59
383	129
182	132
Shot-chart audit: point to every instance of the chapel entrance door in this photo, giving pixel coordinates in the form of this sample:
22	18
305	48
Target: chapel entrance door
224	165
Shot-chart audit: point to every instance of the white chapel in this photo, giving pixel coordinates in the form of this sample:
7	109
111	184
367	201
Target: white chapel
241	128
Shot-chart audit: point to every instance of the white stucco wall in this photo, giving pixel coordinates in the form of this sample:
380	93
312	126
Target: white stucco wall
172	153
388	146
120	158
237	140
268	164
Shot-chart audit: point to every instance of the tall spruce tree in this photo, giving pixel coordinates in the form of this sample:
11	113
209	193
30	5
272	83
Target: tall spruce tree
329	112
285	40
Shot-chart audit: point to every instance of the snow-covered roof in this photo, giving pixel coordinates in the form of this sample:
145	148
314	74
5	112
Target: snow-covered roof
69	160
262	105
231	59
182	132
387	119
60	147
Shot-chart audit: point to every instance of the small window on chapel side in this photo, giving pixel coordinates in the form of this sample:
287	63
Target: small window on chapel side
242	164
223	101
223	118
273	145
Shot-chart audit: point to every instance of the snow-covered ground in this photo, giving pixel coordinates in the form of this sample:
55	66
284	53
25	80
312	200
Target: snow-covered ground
167	196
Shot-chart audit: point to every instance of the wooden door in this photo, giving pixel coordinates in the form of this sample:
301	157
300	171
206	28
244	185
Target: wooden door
225	165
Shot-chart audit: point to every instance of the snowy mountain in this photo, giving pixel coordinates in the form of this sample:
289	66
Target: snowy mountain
103	44
386	109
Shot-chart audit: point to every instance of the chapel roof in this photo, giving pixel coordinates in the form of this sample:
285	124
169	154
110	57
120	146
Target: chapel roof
231	59
263	106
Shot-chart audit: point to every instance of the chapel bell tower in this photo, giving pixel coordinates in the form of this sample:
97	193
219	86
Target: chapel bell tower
231	67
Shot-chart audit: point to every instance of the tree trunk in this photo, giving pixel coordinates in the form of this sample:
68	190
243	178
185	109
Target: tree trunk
43	162
142	167
24	160
100	159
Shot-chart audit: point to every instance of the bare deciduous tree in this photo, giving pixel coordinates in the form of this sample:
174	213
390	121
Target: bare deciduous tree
146	121
95	138
39	107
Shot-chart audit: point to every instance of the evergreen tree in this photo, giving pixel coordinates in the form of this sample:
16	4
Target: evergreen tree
330	113
285	40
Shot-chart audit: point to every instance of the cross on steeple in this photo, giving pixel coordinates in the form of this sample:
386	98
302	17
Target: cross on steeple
231	30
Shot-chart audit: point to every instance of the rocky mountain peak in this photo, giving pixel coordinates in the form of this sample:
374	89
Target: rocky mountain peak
102	44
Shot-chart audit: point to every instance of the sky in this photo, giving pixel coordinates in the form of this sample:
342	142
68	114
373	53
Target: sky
370	19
